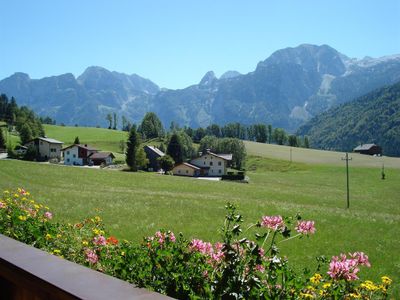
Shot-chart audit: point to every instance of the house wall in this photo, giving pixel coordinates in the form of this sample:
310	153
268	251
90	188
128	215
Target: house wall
152	157
71	157
183	170
217	165
46	150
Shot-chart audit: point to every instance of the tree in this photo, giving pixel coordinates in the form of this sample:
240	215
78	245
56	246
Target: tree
236	147
115	121
124	123
151	126
174	148
25	134
166	163
2	140
31	153
269	134
122	146
260	133
198	134
188	150
279	136
208	142
132	145
293	141
141	158
76	141
109	119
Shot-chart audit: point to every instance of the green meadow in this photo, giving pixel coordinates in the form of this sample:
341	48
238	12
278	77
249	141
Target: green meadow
134	205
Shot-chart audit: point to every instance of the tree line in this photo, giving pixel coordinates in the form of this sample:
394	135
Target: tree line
22	119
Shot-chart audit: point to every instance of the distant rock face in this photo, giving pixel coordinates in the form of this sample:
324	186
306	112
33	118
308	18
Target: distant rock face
285	90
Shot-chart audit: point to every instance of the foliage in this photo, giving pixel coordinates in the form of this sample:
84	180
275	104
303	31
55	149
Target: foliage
234	268
141	158
2	140
77	141
175	148
373	118
166	163
151	126
132	147
25	134
31	153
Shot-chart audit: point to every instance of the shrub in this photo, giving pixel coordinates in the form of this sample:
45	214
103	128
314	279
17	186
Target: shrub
235	268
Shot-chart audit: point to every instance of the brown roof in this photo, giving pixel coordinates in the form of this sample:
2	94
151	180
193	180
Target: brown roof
48	140
101	155
81	146
188	165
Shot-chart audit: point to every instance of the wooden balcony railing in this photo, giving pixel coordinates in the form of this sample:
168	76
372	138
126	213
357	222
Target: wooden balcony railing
27	273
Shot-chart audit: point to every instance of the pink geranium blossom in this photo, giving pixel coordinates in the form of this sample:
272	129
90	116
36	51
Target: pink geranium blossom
347	268
100	240
48	215
91	256
272	222
305	227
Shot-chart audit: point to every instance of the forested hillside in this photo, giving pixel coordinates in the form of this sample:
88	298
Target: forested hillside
373	118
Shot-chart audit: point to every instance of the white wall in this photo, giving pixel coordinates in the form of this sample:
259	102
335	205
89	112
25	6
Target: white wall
217	165
71	157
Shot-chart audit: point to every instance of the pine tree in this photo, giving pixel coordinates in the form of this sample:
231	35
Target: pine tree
25	134
175	148
141	158
132	146
2	140
77	142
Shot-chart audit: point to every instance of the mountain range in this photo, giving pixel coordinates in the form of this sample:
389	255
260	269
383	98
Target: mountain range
285	90
373	118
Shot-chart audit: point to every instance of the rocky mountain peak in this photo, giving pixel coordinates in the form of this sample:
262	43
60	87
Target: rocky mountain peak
208	79
230	74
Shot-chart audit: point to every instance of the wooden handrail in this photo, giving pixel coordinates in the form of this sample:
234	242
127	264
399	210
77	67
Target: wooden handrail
28	273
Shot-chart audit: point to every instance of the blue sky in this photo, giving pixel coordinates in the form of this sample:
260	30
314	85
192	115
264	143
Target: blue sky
174	43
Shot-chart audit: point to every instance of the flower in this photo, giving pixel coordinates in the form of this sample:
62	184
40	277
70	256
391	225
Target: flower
2	204
112	240
361	257
56	252
386	280
260	268
100	240
305	227
48	215
343	268
316	279
91	256
22	218
85	243
369	285
172	237
272	222
48	236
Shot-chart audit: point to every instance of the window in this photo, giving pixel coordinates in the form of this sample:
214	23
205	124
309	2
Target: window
67	159
219	163
74	156
187	171
67	152
179	171
219	171
204	163
211	163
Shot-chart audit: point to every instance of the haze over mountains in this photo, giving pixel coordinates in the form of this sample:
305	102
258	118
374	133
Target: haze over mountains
285	90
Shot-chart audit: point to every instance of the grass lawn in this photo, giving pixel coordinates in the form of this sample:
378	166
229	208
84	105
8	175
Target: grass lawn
101	138
134	205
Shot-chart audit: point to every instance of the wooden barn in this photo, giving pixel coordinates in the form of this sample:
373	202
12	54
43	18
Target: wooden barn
368	149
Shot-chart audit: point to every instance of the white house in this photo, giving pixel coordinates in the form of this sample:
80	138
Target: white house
208	164
46	148
78	154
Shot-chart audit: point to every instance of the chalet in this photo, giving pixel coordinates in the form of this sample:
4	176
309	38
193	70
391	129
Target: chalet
101	158
46	148
20	150
153	153
78	155
369	149
207	164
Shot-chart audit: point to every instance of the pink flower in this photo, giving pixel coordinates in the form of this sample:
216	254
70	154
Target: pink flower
343	268
272	222
260	268
172	237
48	215
200	246
100	240
361	258
305	227
22	192
2	204
91	256
160	236
261	252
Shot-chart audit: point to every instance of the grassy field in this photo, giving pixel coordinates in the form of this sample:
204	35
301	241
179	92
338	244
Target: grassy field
134	205
100	138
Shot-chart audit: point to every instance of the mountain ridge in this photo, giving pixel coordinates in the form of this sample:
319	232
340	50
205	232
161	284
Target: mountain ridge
286	89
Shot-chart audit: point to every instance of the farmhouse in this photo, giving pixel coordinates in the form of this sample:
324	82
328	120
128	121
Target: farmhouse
20	150
369	149
46	148
78	155
153	153
207	164
101	158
